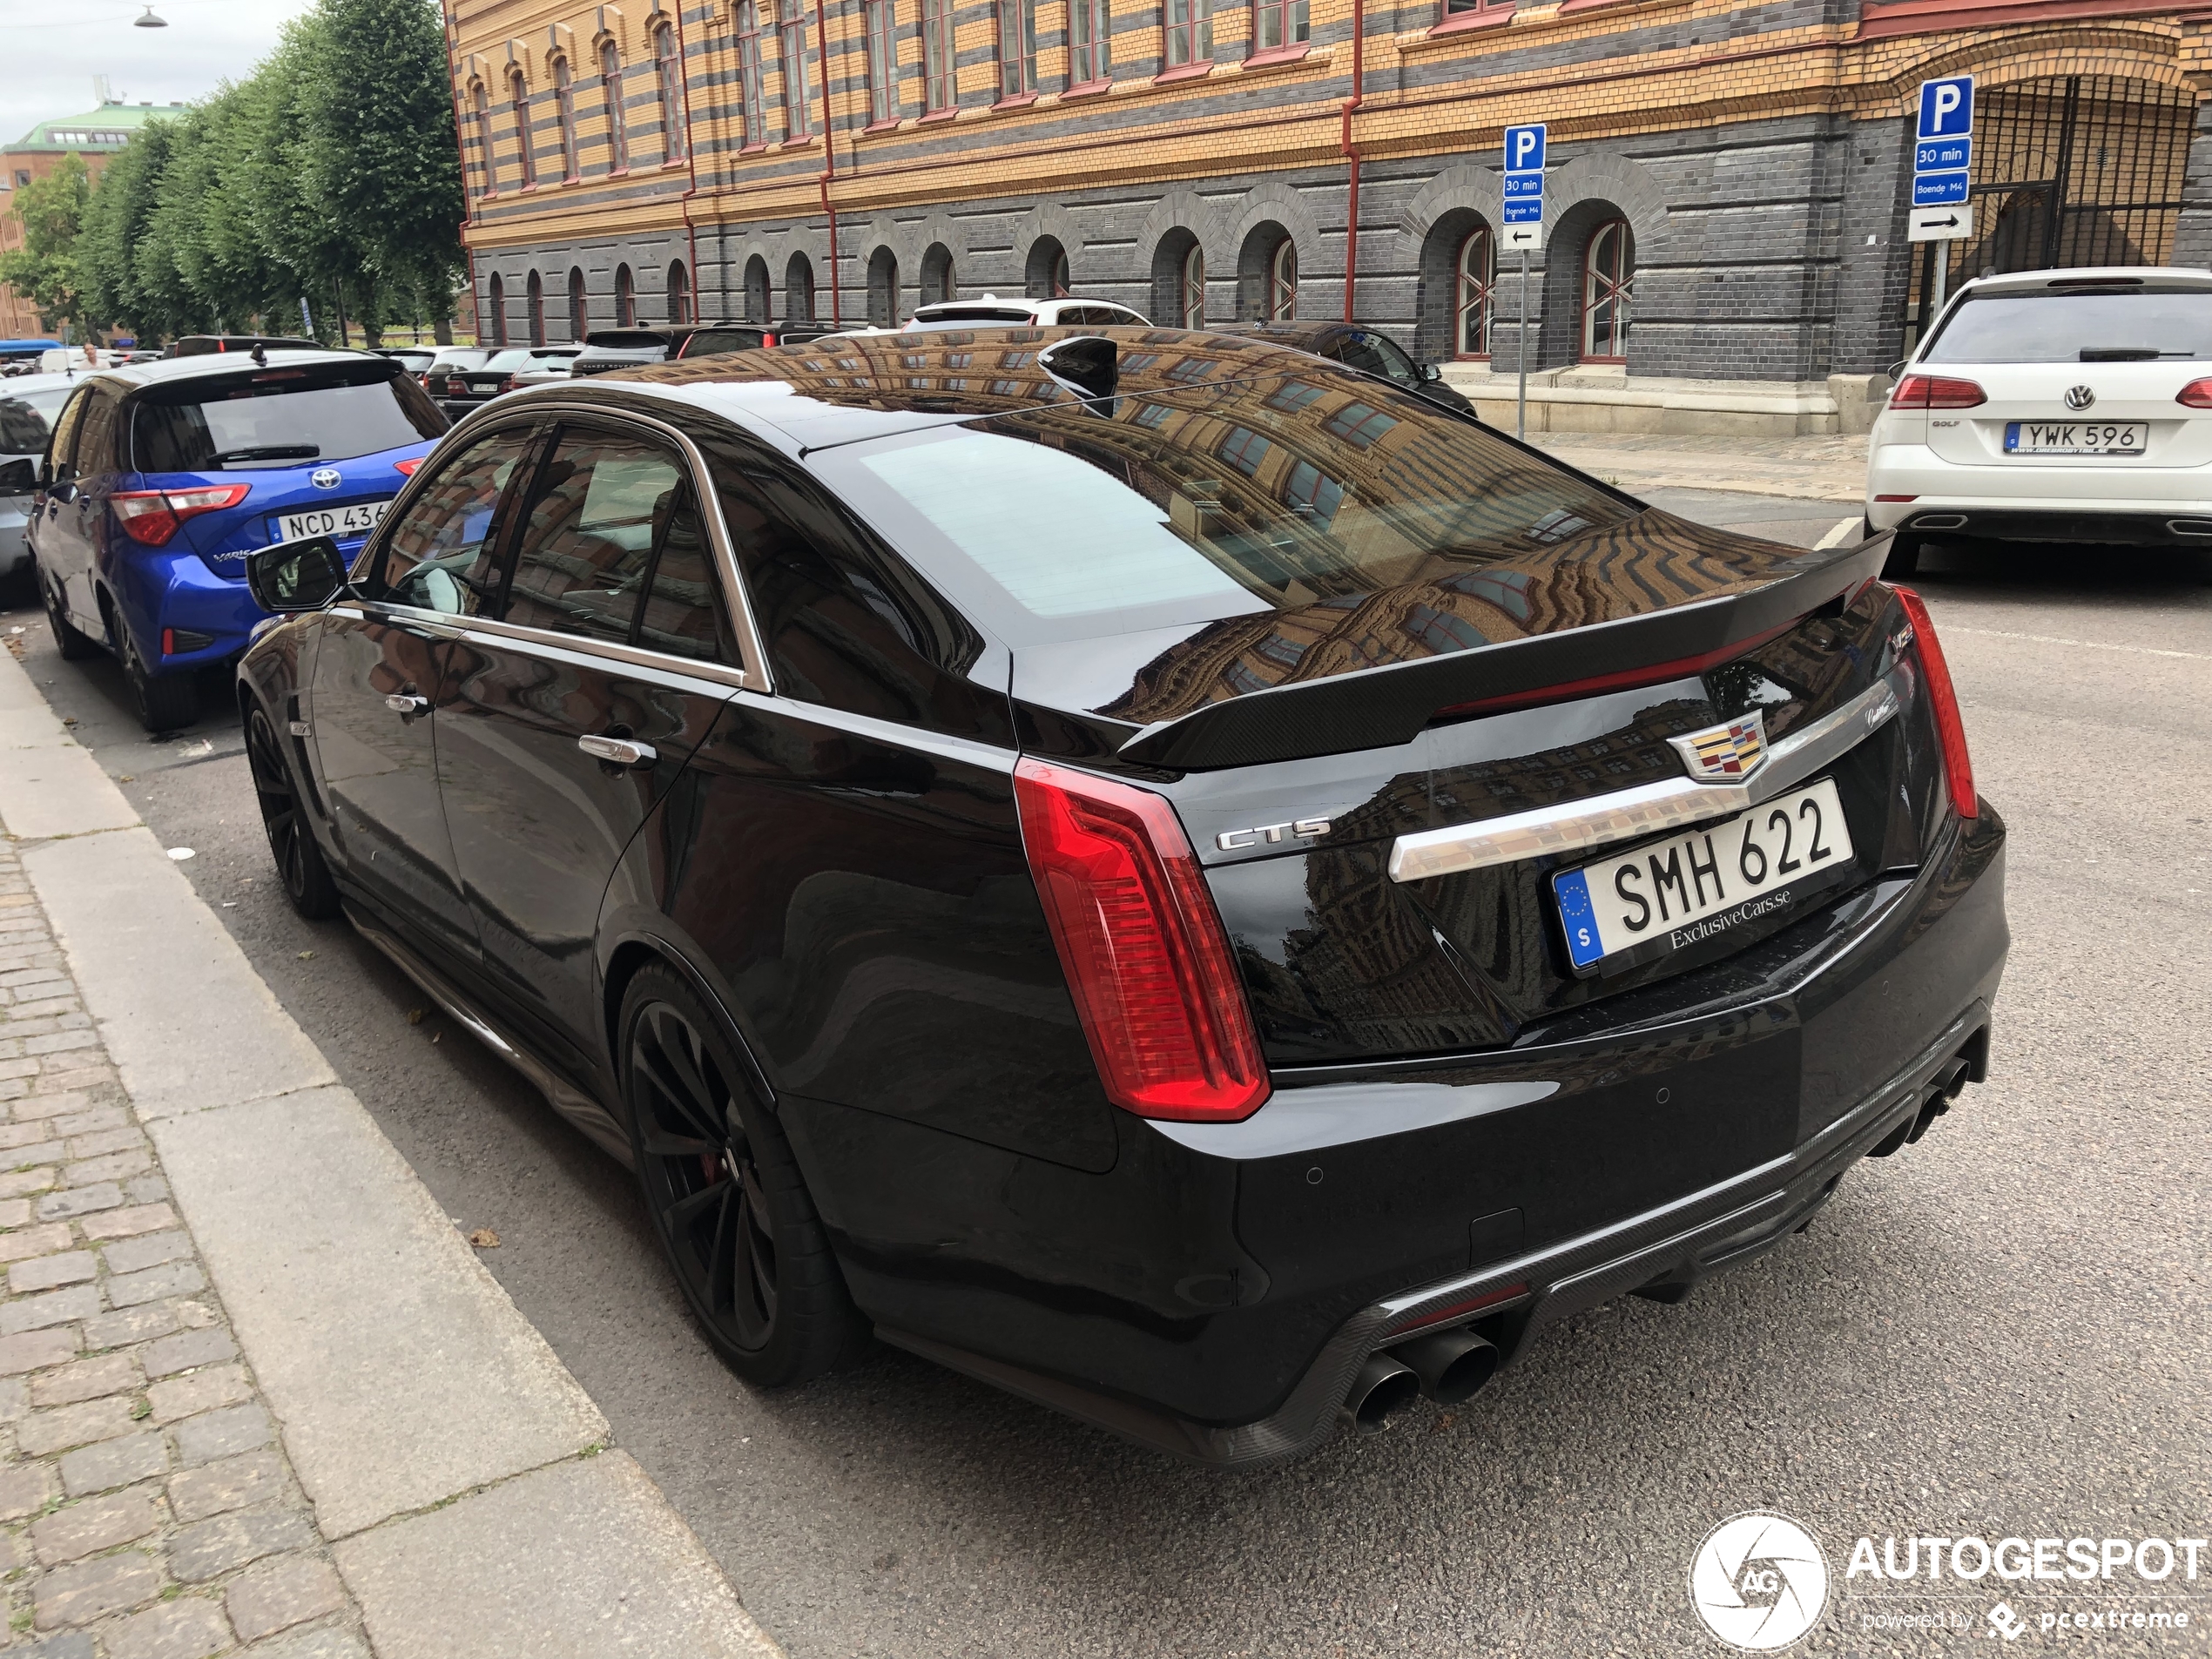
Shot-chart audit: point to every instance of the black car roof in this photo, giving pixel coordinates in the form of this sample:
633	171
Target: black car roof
813	393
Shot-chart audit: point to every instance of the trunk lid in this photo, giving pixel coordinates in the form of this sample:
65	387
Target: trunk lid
2036	395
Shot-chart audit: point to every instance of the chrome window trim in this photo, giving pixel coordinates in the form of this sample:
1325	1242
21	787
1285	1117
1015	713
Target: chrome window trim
682	672
1572	826
753	674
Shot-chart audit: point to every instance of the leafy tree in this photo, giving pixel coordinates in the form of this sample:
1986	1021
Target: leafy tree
44	269
116	220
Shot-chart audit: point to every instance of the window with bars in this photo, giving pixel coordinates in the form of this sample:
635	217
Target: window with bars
941	87
1193	296
1478	272
610	90
752	107
1090	26
1608	280
669	86
1277	24
519	95
1190	32
1282	282
792	40
883	60
564	108
1017	48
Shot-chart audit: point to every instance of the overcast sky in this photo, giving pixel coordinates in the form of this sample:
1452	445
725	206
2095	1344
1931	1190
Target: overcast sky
52	52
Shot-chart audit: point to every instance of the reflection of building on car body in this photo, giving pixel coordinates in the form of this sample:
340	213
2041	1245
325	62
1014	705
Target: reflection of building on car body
2053	406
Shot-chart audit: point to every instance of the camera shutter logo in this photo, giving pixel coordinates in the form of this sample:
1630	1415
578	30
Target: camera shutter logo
1759	1582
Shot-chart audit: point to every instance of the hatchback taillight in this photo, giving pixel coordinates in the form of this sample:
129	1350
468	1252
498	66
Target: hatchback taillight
150	516
408	465
1147	960
1936	392
1943	699
2198	394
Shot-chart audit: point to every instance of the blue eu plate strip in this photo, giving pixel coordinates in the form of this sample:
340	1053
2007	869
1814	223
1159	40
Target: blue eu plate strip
2013	435
1574	895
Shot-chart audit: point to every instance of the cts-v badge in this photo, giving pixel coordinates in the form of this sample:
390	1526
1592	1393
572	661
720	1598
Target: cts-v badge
1231	840
1722	754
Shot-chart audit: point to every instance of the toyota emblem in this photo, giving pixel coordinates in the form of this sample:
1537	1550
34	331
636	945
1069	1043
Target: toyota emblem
326	477
2080	397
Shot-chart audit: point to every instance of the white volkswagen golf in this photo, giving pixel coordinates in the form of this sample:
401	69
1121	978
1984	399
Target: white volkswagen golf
2053	406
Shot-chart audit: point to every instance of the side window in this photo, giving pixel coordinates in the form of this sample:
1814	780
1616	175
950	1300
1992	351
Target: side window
586	549
61	453
96	447
1361	351
437	555
682	614
1396	362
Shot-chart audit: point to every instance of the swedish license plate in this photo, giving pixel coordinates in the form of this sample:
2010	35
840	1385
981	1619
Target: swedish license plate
344	523
1689	887
2074	438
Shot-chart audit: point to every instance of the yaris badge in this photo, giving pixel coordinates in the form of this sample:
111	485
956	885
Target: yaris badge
2080	397
324	478
1722	754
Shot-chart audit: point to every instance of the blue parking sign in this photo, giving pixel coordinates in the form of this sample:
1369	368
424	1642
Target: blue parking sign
1947	107
1939	189
1525	149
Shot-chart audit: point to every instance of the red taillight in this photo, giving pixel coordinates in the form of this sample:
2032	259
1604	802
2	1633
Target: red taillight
767	340
150	516
1143	947
407	466
1935	392
507	385
168	641
2198	394
1950	731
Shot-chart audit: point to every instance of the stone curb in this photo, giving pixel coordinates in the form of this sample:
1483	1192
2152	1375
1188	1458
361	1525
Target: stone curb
449	1456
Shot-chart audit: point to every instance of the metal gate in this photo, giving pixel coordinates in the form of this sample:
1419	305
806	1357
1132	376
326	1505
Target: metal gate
2073	170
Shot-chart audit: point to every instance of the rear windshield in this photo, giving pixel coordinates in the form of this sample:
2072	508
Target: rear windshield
627	339
708	341
2114	327
1274	494
27	417
278	417
976	313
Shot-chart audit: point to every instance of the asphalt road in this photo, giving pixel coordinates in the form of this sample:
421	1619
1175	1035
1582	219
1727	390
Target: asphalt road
2005	1330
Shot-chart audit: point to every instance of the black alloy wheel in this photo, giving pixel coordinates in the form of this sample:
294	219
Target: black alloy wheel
162	702
727	1194
307	880
73	642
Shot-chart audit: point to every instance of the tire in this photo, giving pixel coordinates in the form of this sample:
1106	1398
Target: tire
162	702
1904	559
73	642
725	1195
306	878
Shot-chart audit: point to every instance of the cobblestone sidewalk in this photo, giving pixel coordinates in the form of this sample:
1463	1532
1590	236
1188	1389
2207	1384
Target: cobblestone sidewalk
1832	468
146	1510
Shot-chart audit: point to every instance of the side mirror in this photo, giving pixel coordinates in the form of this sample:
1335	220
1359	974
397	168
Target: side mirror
1430	372
19	477
1897	368
296	576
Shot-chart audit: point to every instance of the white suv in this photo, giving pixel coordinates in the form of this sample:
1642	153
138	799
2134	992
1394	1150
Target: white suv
2053	406
991	311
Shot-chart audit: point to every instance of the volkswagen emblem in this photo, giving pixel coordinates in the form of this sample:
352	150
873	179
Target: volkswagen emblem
1721	754
324	478
2080	397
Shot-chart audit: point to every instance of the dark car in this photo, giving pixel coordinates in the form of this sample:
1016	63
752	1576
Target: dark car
605	349
158	480
1369	350
460	387
416	360
1154	870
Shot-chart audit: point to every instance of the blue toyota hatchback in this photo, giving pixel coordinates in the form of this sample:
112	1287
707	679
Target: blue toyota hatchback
160	478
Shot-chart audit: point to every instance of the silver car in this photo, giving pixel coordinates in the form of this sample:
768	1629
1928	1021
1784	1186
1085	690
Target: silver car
30	404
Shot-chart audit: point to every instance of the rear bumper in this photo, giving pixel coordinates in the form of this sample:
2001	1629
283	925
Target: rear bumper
1841	1053
2166	528
2116	502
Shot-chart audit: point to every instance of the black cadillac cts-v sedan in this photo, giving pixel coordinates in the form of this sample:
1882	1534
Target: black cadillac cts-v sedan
1154	869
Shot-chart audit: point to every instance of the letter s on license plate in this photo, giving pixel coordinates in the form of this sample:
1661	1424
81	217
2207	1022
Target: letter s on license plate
344	523
1689	888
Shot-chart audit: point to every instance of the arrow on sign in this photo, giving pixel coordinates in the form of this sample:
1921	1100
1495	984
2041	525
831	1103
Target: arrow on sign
1953	219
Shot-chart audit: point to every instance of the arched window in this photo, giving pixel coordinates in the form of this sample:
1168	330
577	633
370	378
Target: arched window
669	86
611	90
1282	282
1609	273
1017	48
937	284
753	108
798	289
941	88
760	304
1045	272
534	290
1478	273
518	93
625	298
579	307
497	301
1277	24
1092	25
883	288
791	55
679	293
1193	308
480	136
564	108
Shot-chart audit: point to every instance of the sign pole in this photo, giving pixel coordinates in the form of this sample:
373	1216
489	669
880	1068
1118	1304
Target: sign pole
1520	352
1942	271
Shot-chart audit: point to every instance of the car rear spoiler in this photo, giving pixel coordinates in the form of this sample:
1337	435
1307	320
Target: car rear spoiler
1376	707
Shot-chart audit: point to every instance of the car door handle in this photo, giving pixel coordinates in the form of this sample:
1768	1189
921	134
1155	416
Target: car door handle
405	703
620	751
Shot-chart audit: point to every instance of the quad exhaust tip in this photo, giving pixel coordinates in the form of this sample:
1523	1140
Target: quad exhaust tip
1447	1366
1383	1389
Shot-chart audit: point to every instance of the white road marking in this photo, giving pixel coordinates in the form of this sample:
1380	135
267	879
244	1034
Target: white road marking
2087	645
1835	537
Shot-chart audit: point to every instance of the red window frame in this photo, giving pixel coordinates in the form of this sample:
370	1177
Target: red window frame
1612	292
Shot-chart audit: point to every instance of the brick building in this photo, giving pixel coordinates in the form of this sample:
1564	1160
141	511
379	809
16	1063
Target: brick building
1725	196
93	137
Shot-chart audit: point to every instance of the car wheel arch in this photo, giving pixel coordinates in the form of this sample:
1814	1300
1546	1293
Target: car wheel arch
635	951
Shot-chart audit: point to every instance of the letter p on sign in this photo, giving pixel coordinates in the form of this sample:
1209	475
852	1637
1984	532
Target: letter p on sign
1947	107
1525	149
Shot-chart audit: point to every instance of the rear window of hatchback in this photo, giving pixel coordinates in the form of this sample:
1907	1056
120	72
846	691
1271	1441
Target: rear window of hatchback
2115	325
288	416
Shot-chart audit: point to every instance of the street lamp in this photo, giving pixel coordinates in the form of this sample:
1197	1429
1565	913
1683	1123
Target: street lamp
149	21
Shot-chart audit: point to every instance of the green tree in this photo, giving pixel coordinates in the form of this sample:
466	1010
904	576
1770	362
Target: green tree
115	224
44	269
